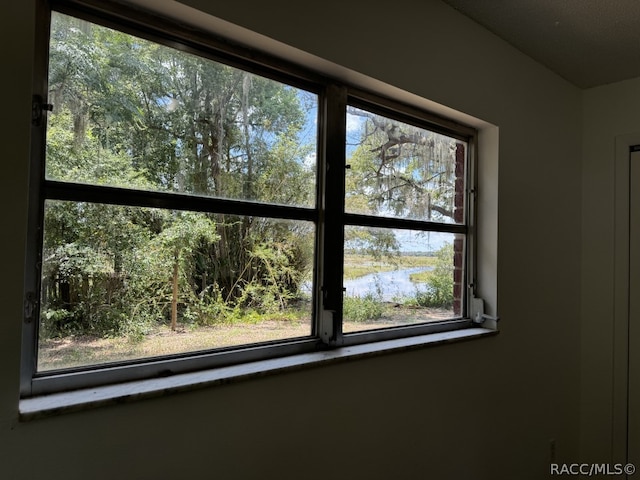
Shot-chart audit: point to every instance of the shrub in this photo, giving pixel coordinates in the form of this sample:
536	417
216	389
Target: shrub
361	309
439	292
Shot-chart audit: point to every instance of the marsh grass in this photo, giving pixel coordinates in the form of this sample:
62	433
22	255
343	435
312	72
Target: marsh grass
356	266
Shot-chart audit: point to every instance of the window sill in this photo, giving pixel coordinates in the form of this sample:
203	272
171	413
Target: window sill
82	399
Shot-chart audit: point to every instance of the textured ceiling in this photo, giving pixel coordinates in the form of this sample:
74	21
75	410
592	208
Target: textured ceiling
588	42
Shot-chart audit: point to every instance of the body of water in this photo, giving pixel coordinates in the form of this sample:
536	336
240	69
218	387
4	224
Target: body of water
391	285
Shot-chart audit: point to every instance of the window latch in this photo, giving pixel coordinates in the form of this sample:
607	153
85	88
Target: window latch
38	107
30	306
480	318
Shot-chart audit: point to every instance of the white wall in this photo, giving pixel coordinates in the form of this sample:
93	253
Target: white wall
482	409
610	112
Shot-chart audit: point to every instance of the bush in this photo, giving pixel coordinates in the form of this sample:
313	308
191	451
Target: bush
56	322
434	298
361	309
439	292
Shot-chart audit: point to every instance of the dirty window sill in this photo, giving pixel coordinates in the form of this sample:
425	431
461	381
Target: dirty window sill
82	399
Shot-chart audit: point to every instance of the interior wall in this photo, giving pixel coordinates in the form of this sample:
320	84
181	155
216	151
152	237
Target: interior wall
482	409
610	113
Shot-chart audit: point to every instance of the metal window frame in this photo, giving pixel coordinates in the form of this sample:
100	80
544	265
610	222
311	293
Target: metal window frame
328	215
411	115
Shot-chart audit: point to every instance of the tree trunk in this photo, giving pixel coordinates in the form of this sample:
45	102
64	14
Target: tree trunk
174	299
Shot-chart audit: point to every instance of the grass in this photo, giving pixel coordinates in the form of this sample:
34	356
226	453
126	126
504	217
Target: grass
82	350
421	277
356	265
74	351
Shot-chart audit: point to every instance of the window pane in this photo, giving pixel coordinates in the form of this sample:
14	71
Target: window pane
400	277
399	170
122	283
132	113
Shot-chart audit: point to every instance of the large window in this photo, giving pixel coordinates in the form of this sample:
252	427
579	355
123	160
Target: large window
191	209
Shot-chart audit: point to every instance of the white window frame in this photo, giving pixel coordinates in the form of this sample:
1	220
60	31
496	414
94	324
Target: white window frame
334	97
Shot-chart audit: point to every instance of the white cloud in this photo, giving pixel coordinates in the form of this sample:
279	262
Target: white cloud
310	160
354	123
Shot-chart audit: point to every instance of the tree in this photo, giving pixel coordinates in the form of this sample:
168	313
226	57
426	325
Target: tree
134	114
400	170
179	240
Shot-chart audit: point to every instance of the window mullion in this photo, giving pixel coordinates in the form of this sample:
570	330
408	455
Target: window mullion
332	215
402	223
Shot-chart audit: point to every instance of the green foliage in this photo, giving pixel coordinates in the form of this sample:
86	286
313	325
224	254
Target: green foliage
376	243
362	309
208	308
439	292
133	114
56	322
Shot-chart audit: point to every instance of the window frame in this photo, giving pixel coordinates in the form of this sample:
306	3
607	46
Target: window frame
328	214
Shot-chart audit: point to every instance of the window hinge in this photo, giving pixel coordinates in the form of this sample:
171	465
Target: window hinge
30	306
479	317
38	107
